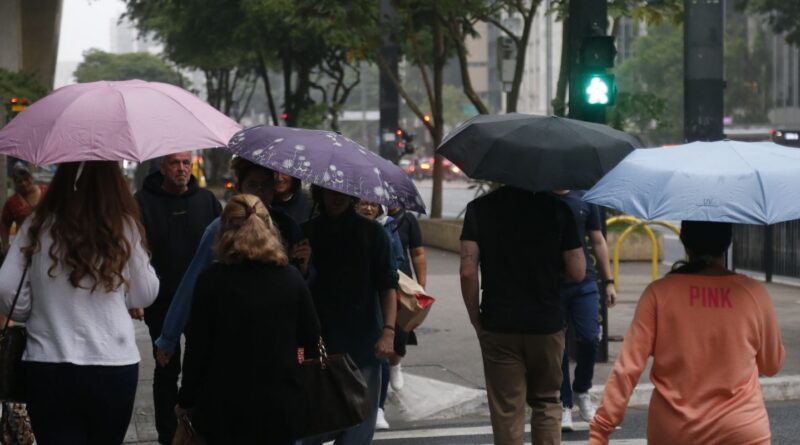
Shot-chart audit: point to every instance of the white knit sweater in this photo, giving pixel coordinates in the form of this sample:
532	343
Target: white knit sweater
73	325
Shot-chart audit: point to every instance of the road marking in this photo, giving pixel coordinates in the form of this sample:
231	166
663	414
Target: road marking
453	432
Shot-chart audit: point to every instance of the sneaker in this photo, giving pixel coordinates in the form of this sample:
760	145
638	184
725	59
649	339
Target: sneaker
586	406
396	376
566	419
380	422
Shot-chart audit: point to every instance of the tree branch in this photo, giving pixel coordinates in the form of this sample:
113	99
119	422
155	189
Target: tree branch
384	66
499	25
421	65
463	63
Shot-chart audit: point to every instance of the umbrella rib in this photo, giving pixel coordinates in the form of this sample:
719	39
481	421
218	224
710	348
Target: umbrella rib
595	149
760	182
190	112
127	121
50	130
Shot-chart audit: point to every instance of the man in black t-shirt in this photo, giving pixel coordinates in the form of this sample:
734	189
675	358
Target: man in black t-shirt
519	322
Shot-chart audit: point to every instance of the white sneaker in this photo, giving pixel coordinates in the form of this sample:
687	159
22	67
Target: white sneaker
586	406
396	376
566	419
380	422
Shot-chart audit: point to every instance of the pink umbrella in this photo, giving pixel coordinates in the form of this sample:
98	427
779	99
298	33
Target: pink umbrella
113	121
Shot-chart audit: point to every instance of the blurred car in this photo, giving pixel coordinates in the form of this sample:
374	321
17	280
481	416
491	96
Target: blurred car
422	168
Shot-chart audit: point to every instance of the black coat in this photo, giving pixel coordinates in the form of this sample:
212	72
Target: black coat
174	225
240	366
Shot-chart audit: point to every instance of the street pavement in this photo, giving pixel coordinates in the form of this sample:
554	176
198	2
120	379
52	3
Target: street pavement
782	415
444	374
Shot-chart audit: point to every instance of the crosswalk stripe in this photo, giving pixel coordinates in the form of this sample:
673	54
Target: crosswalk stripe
484	430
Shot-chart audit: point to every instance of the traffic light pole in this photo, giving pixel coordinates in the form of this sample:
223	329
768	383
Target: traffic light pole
702	59
388	97
586	18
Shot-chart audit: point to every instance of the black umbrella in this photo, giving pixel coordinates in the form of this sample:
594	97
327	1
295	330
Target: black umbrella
536	153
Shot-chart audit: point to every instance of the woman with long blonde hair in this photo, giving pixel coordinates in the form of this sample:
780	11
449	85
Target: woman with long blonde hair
250	312
82	261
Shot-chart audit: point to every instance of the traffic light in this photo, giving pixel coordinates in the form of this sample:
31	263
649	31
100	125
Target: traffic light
16	105
598	89
403	141
284	116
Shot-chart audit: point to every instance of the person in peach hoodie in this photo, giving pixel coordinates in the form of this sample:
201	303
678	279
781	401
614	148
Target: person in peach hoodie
711	332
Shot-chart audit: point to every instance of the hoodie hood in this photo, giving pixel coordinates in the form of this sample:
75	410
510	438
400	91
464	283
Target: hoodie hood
153	181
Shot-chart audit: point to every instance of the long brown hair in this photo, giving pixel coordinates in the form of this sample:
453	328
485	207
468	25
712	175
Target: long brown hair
89	217
246	233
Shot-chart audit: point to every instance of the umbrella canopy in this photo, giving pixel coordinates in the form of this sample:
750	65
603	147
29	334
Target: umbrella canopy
114	121
536	153
328	160
723	181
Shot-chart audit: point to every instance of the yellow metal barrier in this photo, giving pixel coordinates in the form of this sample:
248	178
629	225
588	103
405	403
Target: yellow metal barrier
635	224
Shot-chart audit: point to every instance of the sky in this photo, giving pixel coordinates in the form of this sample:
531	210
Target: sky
85	24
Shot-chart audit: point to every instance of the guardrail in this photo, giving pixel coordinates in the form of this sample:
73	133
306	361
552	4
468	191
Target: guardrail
636	223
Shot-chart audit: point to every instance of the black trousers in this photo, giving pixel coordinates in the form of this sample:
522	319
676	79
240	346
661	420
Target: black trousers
165	380
80	405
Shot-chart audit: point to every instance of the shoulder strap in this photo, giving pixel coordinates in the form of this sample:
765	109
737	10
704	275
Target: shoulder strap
14	304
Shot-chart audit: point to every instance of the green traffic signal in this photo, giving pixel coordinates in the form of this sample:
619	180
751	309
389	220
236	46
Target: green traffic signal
599	89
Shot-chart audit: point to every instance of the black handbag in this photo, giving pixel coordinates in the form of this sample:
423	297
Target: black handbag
12	345
333	394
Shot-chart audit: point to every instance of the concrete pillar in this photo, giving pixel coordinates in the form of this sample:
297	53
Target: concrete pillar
41	26
10	35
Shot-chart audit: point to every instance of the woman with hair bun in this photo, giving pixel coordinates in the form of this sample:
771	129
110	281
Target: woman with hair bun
711	332
250	312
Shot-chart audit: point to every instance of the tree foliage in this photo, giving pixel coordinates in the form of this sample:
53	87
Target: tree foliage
101	65
20	84
782	15
307	41
653	78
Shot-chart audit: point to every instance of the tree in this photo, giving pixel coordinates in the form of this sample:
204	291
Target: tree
782	15
459	20
423	39
100	65
20	84
651	81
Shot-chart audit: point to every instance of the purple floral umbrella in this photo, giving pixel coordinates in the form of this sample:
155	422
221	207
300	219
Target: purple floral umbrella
328	160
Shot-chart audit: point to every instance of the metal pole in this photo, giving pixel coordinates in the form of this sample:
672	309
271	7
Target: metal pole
769	253
703	34
548	35
585	18
388	97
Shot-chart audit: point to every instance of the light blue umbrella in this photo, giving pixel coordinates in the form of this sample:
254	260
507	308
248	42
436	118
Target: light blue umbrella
723	181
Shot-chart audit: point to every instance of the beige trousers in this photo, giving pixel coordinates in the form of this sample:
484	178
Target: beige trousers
523	368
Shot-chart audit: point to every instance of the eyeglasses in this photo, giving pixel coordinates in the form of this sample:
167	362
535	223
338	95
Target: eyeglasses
369	204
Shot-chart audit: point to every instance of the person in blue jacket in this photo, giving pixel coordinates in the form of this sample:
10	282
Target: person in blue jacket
251	179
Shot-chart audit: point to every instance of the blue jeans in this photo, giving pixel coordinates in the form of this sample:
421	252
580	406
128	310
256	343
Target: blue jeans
581	304
362	433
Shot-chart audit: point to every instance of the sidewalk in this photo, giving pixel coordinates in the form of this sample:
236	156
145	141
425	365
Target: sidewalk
445	372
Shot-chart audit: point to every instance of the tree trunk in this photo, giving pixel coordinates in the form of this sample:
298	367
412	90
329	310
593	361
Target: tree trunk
519	69
437	108
264	74
560	101
463	63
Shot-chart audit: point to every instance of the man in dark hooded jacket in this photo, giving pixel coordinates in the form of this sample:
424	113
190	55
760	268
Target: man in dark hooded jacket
175	213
